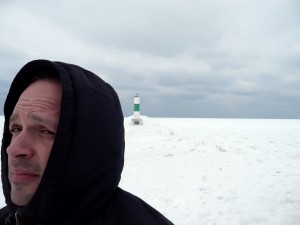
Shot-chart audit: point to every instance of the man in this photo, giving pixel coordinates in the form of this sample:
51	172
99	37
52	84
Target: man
62	151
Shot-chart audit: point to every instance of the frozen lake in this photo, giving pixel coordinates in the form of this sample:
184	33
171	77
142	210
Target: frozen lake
215	171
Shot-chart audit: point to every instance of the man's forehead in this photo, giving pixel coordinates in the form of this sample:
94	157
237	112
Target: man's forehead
40	99
42	84
44	92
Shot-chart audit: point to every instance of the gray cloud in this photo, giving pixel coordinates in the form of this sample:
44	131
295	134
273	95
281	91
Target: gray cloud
185	58
4	86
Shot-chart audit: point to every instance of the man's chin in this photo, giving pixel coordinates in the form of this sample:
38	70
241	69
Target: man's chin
21	200
21	196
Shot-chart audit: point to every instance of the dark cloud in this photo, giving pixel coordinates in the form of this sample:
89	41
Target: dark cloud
4	86
190	58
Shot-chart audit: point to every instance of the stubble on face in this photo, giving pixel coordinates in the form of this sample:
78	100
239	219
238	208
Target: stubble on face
17	189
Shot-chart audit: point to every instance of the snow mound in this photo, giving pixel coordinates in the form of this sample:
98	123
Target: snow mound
149	129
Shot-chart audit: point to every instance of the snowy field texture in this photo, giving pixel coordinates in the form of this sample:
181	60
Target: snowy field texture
215	171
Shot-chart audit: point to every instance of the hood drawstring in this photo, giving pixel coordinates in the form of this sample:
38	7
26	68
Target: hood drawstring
18	216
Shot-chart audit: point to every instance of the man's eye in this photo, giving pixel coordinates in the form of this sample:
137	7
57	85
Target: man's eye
15	129
48	132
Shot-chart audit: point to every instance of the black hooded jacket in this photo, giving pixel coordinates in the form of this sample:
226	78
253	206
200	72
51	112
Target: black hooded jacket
80	182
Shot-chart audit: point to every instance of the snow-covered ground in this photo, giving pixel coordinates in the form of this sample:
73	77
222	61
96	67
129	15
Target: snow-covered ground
215	171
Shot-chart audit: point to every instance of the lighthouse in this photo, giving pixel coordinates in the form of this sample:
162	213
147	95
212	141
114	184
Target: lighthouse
136	118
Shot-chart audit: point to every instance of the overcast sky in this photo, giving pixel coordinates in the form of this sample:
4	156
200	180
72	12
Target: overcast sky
185	58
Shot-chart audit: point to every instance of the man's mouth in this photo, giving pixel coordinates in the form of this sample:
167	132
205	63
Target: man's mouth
20	175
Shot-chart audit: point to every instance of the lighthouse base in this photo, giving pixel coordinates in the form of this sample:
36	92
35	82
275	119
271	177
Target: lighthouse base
136	121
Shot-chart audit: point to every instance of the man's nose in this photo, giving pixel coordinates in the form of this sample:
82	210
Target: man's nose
21	145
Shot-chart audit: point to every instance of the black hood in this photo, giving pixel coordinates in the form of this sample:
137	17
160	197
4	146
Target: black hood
87	157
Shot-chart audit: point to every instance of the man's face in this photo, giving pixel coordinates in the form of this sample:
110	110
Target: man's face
33	126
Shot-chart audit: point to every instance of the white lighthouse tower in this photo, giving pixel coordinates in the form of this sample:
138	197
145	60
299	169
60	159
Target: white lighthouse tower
136	118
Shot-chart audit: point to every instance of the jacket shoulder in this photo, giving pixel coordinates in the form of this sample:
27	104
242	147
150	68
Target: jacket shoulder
126	208
4	214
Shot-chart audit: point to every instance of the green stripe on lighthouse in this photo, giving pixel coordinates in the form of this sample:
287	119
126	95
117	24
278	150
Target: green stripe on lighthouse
136	107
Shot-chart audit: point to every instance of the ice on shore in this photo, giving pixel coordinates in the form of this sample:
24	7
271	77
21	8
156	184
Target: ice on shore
215	171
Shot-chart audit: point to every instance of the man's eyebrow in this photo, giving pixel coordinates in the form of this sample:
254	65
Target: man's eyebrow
36	118
13	117
33	117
